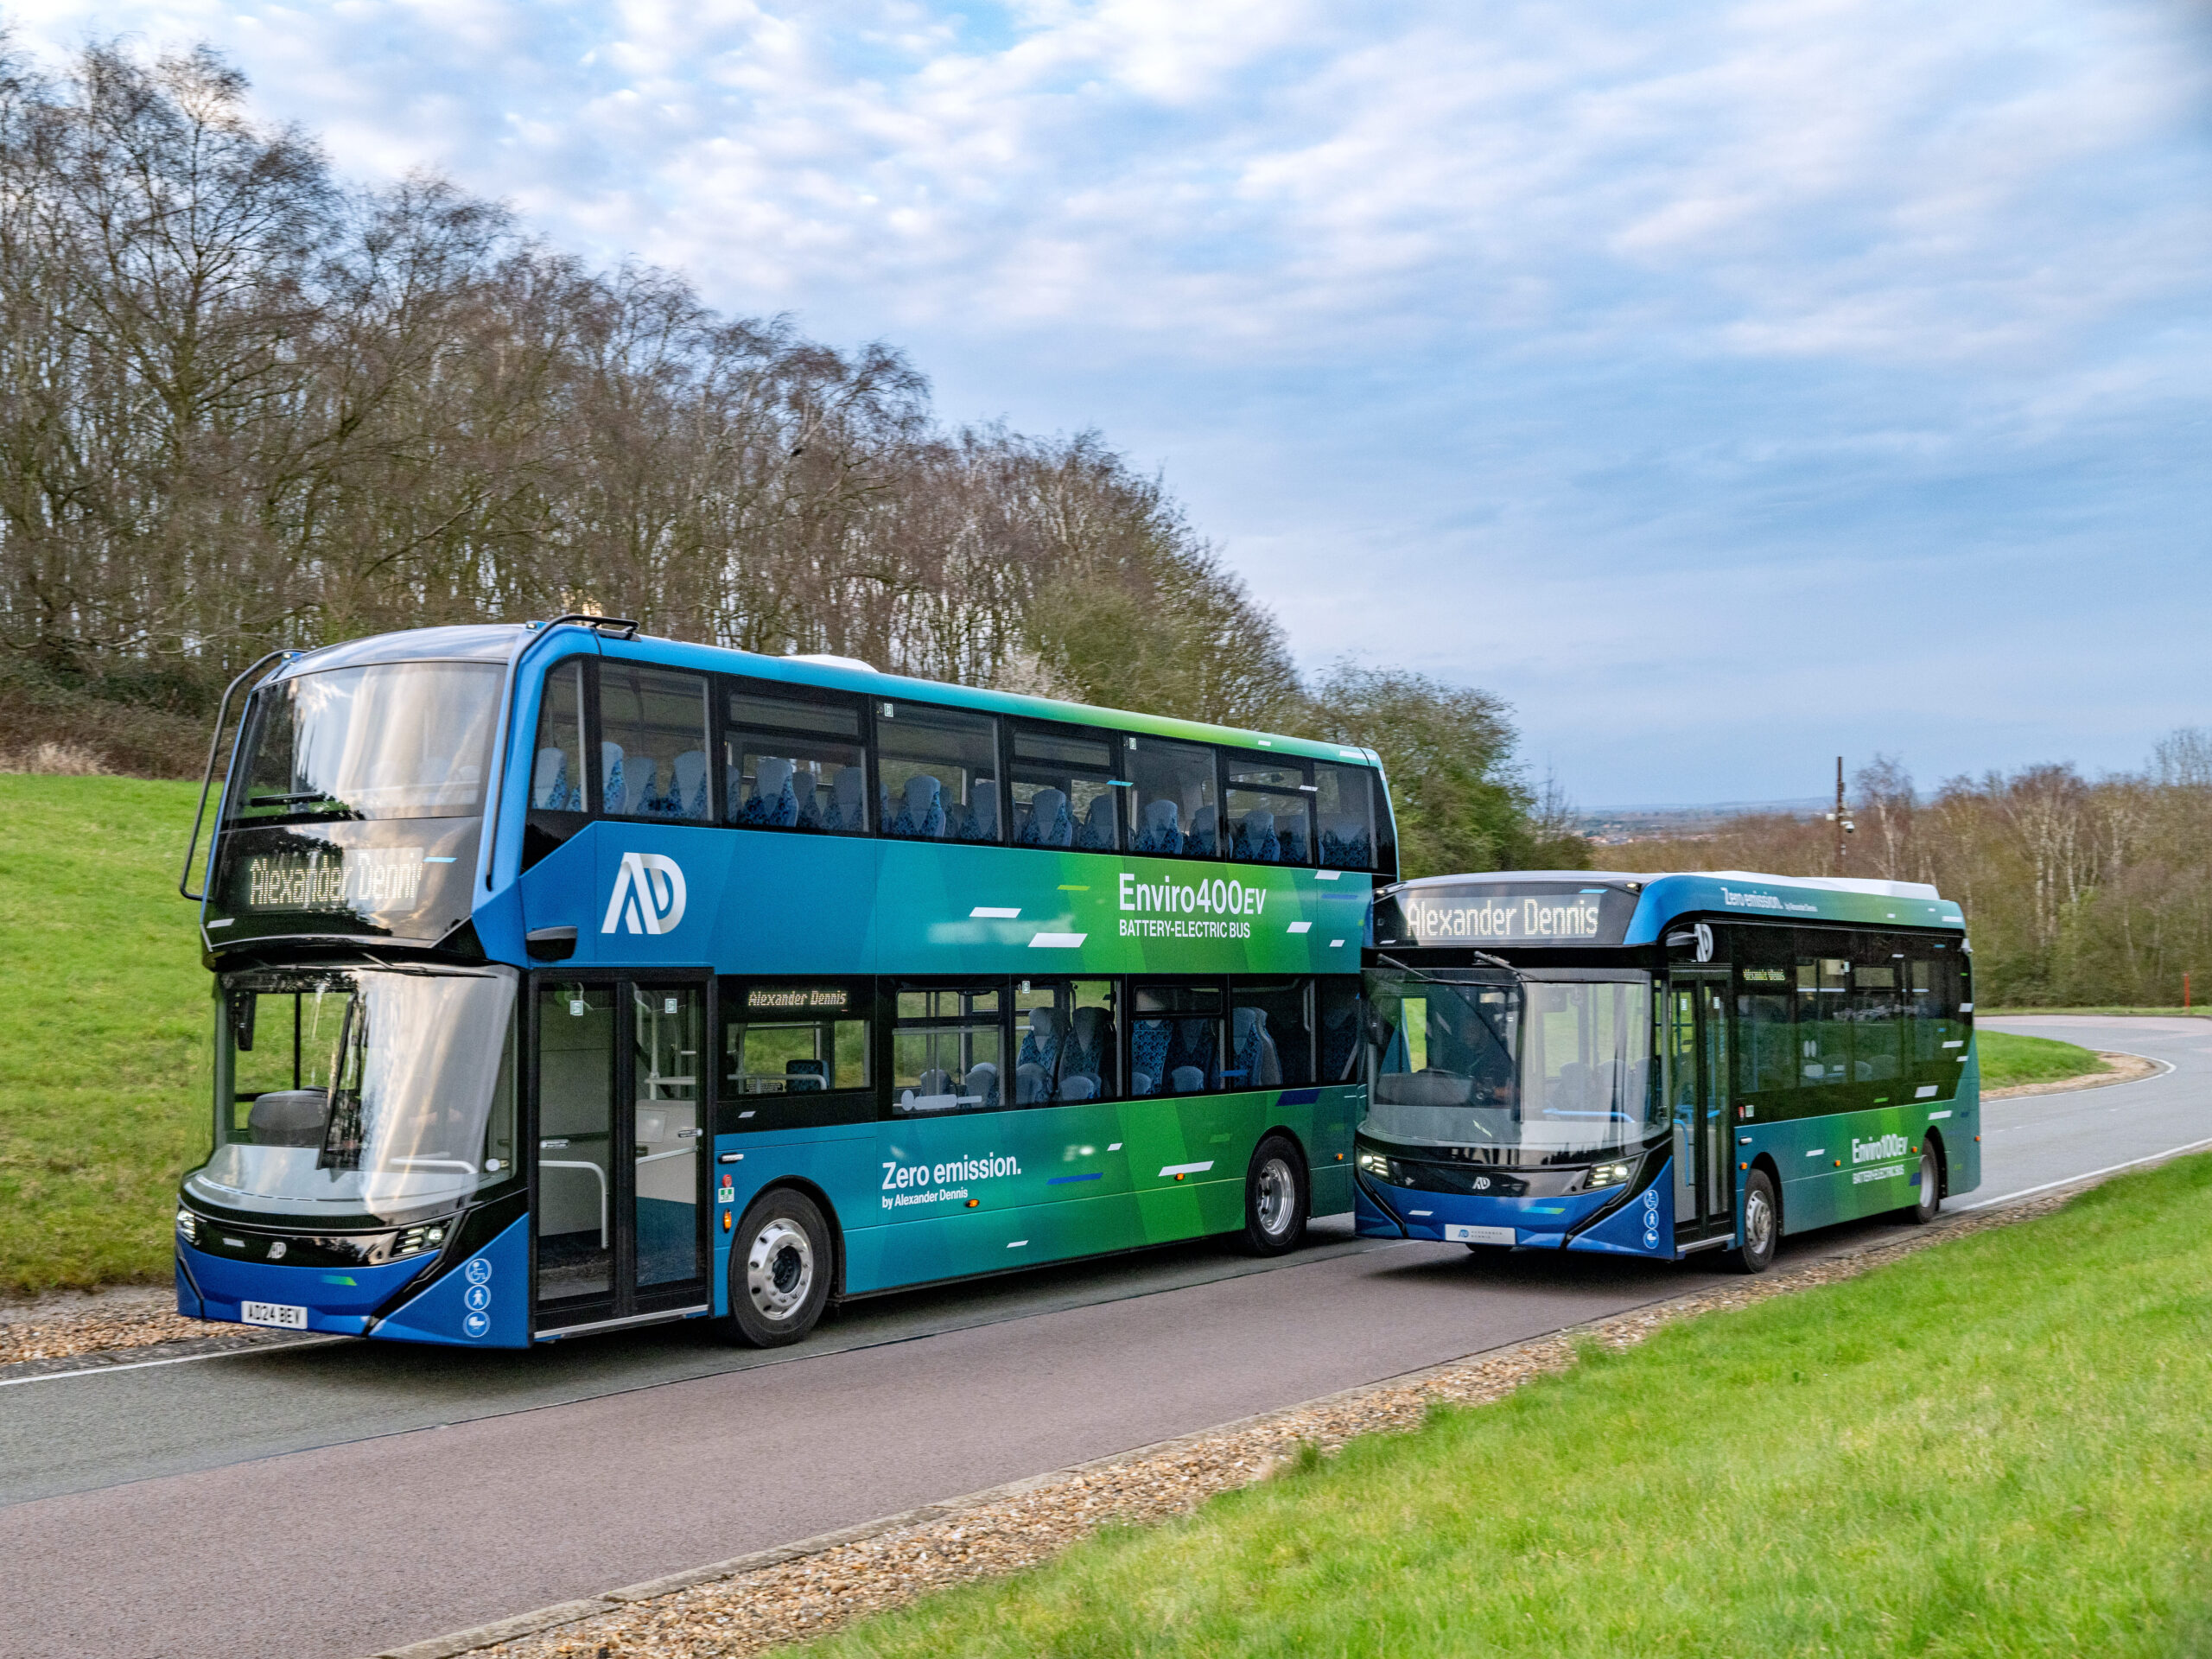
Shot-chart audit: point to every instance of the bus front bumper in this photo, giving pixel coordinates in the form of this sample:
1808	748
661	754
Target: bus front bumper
341	1301
1599	1221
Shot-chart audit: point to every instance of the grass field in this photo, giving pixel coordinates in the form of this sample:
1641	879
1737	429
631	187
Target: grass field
2007	1060
103	1029
1999	1446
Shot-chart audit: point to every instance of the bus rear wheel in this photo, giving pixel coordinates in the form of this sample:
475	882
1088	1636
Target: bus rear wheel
1274	1199
778	1270
1929	1197
1754	1251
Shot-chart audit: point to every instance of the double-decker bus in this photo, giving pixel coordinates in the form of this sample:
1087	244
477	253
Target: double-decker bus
1654	1065
568	980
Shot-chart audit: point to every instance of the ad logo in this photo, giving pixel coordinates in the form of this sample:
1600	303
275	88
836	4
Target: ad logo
648	897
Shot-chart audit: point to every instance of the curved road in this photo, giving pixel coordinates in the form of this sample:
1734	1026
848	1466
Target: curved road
328	1500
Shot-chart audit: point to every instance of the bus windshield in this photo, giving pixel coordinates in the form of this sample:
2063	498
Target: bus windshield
387	740
376	1090
1540	1070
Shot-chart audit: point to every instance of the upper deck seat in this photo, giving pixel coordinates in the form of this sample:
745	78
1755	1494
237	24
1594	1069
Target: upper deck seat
550	789
921	812
847	796
1161	833
772	803
1343	844
1203	833
981	821
1290	833
1096	834
1257	842
687	790
613	797
1047	824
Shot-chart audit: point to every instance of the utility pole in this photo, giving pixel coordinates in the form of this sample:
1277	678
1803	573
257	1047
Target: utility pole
1844	826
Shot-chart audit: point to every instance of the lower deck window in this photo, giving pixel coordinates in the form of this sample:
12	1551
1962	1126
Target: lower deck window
948	1050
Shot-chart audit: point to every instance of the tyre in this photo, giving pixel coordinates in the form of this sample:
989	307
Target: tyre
1762	1232
1930	1199
779	1270
1275	1199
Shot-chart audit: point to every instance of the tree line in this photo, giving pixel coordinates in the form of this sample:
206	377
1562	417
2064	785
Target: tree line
245	404
2078	891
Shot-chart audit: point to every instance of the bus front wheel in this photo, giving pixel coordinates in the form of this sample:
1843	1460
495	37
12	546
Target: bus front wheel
778	1270
1274	1199
1754	1251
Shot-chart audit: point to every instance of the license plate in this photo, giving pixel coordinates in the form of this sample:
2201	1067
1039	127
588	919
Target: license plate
1457	1234
282	1314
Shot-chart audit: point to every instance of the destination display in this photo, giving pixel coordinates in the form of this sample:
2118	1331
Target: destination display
392	879
1477	916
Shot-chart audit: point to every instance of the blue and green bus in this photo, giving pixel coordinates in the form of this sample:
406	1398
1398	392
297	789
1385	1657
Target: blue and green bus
566	979
1655	1065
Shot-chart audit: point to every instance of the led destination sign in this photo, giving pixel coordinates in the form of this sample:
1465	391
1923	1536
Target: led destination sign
1482	916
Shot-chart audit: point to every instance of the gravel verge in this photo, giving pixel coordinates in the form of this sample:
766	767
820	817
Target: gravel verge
775	1597
66	1330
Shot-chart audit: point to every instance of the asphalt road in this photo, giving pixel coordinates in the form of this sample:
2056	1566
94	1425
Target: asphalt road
335	1499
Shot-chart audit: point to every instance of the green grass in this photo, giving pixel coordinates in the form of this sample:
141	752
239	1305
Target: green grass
2006	1059
103	1029
2002	1445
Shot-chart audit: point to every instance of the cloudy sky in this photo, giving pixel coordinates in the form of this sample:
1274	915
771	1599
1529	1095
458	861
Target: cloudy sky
1728	387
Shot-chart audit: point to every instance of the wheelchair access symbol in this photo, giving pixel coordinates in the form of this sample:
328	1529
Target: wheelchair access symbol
477	1271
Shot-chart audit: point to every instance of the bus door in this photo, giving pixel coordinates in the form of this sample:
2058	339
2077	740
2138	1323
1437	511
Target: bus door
619	1185
1697	1086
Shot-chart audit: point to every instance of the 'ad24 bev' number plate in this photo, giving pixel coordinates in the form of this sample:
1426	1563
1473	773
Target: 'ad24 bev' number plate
1455	1233
282	1314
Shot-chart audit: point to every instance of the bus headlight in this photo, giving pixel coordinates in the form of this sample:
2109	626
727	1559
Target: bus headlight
1375	1163
187	1226
415	1240
1610	1174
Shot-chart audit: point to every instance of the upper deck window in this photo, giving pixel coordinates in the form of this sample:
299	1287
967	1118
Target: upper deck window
796	764
1064	791
1173	806
940	772
1271	810
386	741
1343	799
652	751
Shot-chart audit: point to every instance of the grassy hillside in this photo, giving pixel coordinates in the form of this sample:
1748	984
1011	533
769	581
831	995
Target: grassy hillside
104	1028
1999	1446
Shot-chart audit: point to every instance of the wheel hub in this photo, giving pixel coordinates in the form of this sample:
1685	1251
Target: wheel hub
779	1269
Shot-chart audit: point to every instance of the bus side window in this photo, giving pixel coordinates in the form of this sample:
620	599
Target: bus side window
1338	1038
1068	1047
938	769
557	784
1876	1025
1270	1033
794	764
1270	810
1344	801
1171	805
1175	1039
1063	790
652	728
948	1050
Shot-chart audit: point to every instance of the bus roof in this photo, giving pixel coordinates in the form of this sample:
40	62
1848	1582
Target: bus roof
1597	908
502	642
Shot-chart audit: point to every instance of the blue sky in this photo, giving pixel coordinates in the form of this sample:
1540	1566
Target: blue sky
1727	387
